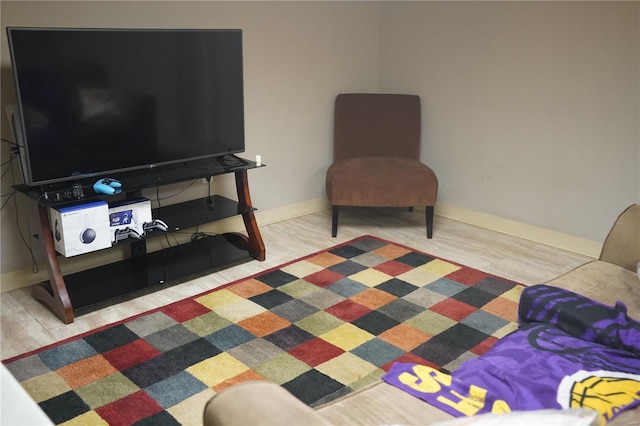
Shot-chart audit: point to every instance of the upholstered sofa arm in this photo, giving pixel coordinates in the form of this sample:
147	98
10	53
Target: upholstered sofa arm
258	402
622	245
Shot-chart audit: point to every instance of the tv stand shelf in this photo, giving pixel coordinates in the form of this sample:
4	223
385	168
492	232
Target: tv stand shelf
143	272
202	210
136	276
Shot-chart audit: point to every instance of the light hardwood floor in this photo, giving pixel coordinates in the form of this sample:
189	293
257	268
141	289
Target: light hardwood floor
27	325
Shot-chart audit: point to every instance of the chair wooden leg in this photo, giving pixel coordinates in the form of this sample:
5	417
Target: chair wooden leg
429	217
334	221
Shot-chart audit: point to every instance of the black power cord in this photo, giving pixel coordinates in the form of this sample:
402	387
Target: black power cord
15	154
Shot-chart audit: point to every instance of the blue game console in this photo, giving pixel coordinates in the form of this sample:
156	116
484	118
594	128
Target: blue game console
107	186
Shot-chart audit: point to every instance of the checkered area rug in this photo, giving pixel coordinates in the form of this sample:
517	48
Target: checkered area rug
321	326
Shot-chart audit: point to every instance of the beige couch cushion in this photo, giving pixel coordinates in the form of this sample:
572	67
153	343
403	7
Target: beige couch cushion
604	282
622	245
258	403
381	404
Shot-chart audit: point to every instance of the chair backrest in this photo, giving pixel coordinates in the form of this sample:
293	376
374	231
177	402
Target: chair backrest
370	124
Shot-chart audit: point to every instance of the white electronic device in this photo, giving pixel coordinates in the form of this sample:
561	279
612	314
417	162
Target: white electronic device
80	228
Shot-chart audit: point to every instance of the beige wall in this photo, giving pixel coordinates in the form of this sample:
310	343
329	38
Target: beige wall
530	108
297	57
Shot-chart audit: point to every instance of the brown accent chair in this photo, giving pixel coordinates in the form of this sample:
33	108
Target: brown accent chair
376	153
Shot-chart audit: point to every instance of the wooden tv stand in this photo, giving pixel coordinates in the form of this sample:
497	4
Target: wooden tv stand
142	272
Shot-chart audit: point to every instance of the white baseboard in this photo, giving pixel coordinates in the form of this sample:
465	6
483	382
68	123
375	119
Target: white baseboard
25	277
522	230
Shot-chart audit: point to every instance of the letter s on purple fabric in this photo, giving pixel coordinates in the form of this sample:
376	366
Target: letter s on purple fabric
443	391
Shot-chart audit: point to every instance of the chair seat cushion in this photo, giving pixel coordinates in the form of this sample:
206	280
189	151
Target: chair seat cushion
381	182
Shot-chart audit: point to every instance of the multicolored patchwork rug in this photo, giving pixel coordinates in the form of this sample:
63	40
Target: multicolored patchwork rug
321	326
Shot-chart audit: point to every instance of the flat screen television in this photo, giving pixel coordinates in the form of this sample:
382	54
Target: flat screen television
95	102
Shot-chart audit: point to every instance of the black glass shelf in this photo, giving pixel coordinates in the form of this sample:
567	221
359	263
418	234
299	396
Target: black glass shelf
191	213
136	180
199	211
129	278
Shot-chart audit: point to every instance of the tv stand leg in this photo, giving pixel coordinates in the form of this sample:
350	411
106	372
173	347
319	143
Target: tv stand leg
254	241
55	294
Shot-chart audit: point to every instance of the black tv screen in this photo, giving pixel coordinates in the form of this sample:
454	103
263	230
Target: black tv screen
94	102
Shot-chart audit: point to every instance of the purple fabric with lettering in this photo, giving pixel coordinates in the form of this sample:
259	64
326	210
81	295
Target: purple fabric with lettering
569	351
